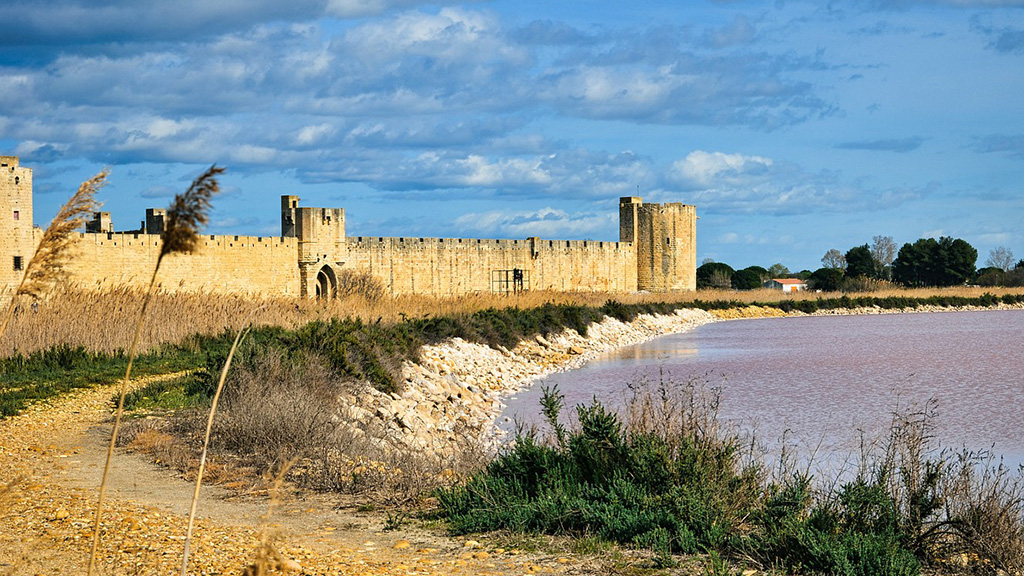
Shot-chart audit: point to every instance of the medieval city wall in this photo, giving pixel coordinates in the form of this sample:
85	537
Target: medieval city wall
454	266
656	252
222	264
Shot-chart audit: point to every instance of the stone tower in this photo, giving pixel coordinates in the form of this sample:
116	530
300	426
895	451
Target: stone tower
17	240
321	244
665	239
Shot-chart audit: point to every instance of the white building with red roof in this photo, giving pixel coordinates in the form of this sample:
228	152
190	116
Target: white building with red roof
786	284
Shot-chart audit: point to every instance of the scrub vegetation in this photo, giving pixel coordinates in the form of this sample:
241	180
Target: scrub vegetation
359	350
665	475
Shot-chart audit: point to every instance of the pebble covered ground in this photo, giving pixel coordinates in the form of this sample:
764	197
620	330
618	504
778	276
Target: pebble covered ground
46	521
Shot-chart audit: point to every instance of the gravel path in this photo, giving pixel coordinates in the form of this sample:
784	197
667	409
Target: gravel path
50	462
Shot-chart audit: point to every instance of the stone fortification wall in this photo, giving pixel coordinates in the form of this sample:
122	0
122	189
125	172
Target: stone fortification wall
223	264
656	252
453	266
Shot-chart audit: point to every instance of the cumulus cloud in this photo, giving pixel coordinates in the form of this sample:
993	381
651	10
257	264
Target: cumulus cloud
72	22
545	223
742	184
702	169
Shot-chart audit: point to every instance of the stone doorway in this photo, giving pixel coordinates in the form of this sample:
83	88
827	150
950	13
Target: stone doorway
326	283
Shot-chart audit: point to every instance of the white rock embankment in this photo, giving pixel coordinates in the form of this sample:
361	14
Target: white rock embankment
456	391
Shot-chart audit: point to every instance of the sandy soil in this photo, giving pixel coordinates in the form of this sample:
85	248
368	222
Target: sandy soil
51	459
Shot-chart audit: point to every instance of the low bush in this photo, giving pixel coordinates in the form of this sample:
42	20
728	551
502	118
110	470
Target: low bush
665	476
676	491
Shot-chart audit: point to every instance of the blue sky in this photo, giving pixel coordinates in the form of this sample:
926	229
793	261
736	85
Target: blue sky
794	127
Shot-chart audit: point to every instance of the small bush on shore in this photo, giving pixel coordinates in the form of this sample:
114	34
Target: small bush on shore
665	476
678	490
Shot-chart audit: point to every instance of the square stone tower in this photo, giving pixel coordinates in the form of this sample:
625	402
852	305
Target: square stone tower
665	239
17	240
322	249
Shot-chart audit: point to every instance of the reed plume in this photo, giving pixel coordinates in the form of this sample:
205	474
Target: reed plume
54	250
187	212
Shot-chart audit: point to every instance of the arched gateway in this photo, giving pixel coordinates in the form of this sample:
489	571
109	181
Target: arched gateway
326	283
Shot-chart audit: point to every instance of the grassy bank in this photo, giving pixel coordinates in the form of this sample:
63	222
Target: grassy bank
357	350
100	321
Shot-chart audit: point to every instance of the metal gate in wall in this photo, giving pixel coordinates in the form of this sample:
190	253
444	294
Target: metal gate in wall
510	281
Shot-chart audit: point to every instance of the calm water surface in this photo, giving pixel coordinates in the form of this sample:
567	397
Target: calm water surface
829	380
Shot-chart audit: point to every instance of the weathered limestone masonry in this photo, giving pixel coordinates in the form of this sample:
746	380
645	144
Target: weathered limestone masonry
664	237
16	239
656	252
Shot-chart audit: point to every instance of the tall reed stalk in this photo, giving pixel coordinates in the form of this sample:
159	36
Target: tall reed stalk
47	263
206	445
188	211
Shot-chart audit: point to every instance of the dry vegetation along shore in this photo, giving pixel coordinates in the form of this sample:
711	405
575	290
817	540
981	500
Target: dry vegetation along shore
385	447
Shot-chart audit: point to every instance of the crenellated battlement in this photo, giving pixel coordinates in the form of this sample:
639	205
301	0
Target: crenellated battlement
656	251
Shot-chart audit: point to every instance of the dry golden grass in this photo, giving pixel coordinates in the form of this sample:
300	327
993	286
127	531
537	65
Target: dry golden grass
54	249
97	320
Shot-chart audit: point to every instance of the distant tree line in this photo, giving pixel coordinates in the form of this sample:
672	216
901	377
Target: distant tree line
926	262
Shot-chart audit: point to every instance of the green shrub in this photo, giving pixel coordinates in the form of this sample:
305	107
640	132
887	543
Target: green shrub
673	495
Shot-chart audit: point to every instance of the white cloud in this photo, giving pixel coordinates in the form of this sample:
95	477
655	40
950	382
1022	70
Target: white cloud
722	182
545	223
702	169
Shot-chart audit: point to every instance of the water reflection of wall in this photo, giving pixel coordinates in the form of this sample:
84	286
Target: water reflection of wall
652	353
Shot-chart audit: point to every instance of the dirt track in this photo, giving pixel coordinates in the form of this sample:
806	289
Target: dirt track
53	454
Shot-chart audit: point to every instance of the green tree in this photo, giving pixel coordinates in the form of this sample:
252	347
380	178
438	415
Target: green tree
929	262
714	275
749	278
860	262
958	259
913	265
827	279
990	276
